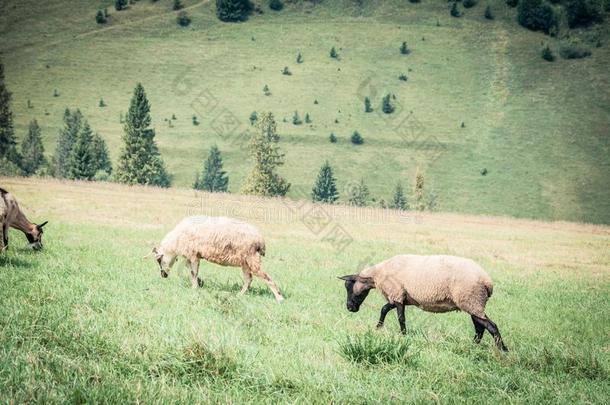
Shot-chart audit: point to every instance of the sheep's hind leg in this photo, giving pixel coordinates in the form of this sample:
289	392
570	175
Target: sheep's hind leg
479	329
196	282
495	332
384	311
255	268
247	280
400	308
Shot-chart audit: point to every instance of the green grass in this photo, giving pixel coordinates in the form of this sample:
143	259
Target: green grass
88	320
539	128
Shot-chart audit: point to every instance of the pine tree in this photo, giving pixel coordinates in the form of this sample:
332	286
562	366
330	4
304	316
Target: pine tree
32	150
299	58
120	4
454	10
213	177
233	10
420	204
82	165
65	142
8	144
100	17
356	138
296	120
333	53
307	118
264	149
399	200
140	161
386	105
100	154
325	189
404	49
177	5
253	117
367	105
276	5
358	195
332	138
266	90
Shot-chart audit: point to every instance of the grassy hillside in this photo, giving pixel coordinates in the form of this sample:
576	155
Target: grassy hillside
88	320
539	128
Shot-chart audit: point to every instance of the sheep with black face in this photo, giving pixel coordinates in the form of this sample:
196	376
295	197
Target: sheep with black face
432	283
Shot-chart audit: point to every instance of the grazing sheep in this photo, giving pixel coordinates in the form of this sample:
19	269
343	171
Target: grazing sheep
433	283
219	240
15	218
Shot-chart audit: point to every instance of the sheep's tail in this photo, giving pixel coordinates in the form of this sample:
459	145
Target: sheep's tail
260	248
489	287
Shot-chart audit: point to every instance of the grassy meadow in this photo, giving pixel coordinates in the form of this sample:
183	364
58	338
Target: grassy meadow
87	319
539	128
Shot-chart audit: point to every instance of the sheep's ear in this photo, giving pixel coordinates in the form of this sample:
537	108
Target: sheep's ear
41	225
346	278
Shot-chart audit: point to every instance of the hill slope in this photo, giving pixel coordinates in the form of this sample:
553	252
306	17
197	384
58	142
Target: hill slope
88	320
540	129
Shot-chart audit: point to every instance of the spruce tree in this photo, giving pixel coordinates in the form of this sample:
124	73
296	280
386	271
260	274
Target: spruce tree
358	195
404	49
399	200
299	58
332	138
455	12
325	189
120	4
73	121
356	138
233	10
100	154
367	105
140	161
263	179
213	177
386	105
296	120
32	150
333	53
253	117
8	145
82	165
100	17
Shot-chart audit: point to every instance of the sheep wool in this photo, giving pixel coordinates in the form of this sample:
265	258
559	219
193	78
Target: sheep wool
433	283
220	240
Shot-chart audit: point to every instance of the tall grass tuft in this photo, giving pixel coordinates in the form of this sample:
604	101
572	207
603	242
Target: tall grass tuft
200	360
372	348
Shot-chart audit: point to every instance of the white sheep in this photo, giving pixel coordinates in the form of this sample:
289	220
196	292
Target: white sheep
433	283
219	240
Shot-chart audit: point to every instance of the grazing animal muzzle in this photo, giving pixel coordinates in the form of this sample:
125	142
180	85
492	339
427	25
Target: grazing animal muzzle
358	289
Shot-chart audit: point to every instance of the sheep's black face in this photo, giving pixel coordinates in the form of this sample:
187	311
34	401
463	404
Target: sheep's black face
35	236
357	290
160	261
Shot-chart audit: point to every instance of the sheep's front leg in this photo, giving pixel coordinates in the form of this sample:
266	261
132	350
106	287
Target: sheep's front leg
384	311
400	308
195	280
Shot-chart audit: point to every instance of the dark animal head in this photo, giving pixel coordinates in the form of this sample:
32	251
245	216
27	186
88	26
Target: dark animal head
165	261
35	236
358	288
